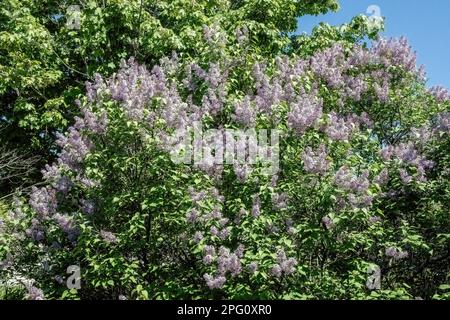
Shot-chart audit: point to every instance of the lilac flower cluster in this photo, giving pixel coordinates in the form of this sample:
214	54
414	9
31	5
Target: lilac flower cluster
328	223
108	236
284	265
35	231
256	206
330	66
226	262
87	206
67	224
395	52
440	93
382	178
443	122
75	146
35	293
406	154
395	253
374	220
355	87
245	113
279	200
316	161
43	201
305	113
216	282
346	180
340	128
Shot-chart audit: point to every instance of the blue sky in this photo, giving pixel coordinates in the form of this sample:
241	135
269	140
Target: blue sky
426	24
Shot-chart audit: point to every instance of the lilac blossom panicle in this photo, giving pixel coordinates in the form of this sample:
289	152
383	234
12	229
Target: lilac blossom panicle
256	207
328	223
339	128
405	177
198	236
108	236
34	293
443	122
395	52
345	179
67	224
75	146
252	267
276	271
396	253
279	201
228	262
284	265
87	206
35	231
329	65
214	282
64	185
192	216
440	93
43	201
244	112
305	113
382	178
316	161
374	219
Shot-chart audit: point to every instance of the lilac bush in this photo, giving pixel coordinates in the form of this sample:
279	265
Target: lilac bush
145	227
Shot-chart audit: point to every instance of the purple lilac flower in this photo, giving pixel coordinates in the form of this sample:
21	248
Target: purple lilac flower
214	282
252	267
67	224
208	259
209	250
329	65
35	293
382	91
395	253
256	207
224	233
43	201
214	231
64	185
108	236
305	113
36	231
328	223
382	178
316	161
374	219
244	113
405	177
440	93
284	265
87	206
198	236
345	179
339	128
395	52
279	201
443	122
276	271
192	216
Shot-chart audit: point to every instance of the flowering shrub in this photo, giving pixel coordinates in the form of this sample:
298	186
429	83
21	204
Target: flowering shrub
362	181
